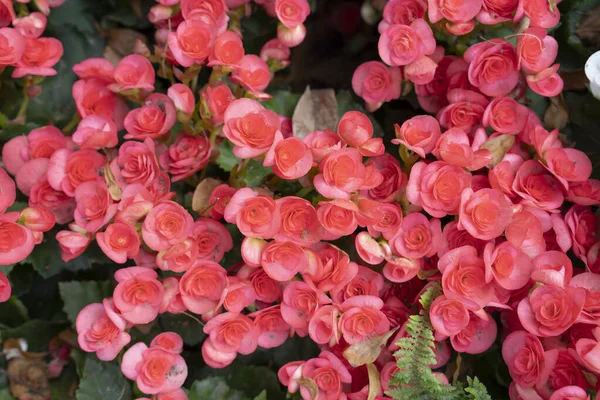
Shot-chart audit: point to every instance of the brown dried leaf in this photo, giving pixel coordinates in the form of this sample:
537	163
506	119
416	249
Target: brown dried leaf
311	386
367	351
316	110
589	28
200	200
574	80
136	6
28	379
121	42
557	114
374	382
498	146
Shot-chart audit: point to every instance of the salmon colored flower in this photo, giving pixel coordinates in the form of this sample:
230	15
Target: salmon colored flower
101	329
366	283
250	127
38	219
507	265
95	68
39	57
240	294
464	278
95	206
437	187
214	12
465	110
448	317
72	244
219	198
338	218
273	330
547	82
92	97
591	308
214	101
417	237
290	158
529	365
536	50
568	165
550	310
323	143
155	118
214	240
541	13
138	294
401	269
505	115
477	337
8	191
68	169
292	13
192	42
300	302
267	290
186	156
228	50
493	67
166	225
376	83
404	44
253	73
95	132
5	289
299	222
179	257
583	227
283	260
182	97
454	12
419	134
155	370
362	319
587	350
172	302
585	193
455	147
401	12
12	45
202	286
323	326
134	72
16	242
485	213
229	333
119	242
496	11
552	268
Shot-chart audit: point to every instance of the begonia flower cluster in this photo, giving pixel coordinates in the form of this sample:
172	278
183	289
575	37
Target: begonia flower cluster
483	199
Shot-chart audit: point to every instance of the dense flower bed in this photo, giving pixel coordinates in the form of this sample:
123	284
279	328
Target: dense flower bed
183	177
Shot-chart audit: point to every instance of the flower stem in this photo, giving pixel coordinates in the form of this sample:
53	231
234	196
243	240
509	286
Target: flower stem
23	108
72	124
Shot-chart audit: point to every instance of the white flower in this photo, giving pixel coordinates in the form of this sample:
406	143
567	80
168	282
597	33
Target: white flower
592	71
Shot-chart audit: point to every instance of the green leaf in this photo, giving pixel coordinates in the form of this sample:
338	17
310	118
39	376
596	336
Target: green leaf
255	173
103	381
347	103
226	160
46	258
5	395
36	332
261	396
13	312
190	330
16	130
214	388
248	379
76	295
283	102
61	387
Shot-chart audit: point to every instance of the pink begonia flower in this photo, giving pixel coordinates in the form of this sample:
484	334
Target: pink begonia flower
5	288
493	67
155	118
119	241
283	260
253	73
101	329
496	11
95	206
229	333
541	13
591	308
536	50
448	317
72	244
362	319
300	302
250	127
465	110
202	286
166	213
17	240
505	115
95	68
182	97
419	134
376	83
32	25
528	364
214	240
507	265
587	349
477	337
323	143
292	13
92	97
138	294
552	268
299	223
134	72
39	58
273	330
228	50
547	82
455	12
68	169
485	213
417	236
356	129
169	341
566	303
155	370
12	46
401	45
95	132
192	42
8	191
290	158
401	12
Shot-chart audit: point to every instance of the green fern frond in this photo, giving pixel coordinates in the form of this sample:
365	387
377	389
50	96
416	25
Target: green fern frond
415	379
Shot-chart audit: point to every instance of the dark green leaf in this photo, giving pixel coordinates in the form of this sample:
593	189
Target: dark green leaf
191	331
249	379
13	312
76	295
16	130
61	387
255	173
37	333
46	258
283	102
5	395
103	381
20	279
226	159
261	396
214	388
